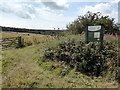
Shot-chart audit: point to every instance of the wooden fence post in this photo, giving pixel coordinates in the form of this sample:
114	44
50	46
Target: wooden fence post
101	37
86	35
20	42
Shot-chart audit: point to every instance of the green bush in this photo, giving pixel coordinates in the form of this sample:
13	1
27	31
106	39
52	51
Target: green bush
86	58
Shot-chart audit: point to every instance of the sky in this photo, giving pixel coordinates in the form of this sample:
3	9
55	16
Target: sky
50	14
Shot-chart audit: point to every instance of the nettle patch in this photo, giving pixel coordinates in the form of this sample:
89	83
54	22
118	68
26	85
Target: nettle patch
85	58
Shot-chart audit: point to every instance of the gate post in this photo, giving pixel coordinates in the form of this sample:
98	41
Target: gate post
20	41
86	34
101	37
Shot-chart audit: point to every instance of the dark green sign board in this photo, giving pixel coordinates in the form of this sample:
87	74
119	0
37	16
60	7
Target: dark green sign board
94	34
91	37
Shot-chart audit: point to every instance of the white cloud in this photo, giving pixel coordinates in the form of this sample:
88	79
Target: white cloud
104	8
41	18
57	20
55	4
115	1
53	16
28	11
21	10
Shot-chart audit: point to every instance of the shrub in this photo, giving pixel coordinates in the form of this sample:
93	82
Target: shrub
86	58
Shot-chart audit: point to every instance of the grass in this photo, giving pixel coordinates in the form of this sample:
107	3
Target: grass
24	68
29	39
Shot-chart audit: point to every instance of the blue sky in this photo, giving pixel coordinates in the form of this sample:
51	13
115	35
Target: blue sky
50	14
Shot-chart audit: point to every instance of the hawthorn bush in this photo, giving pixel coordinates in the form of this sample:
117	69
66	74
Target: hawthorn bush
86	58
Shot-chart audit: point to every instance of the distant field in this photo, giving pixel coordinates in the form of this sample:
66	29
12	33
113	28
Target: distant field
14	34
29	39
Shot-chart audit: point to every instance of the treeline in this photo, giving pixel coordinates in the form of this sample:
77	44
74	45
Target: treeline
35	31
91	19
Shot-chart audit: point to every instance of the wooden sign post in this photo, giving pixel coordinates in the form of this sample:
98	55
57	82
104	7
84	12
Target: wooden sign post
95	34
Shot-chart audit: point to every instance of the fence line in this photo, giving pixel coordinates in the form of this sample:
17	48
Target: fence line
11	42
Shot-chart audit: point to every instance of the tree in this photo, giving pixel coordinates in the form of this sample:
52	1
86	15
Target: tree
79	25
107	23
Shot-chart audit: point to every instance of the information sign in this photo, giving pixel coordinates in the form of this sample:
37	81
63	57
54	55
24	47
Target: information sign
94	34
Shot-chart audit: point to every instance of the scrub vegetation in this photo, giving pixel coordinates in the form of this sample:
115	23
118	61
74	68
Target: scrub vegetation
27	68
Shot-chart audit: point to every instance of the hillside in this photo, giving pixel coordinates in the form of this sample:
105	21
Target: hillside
34	31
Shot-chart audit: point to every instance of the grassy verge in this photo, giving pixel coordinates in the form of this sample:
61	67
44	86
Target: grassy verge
21	69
